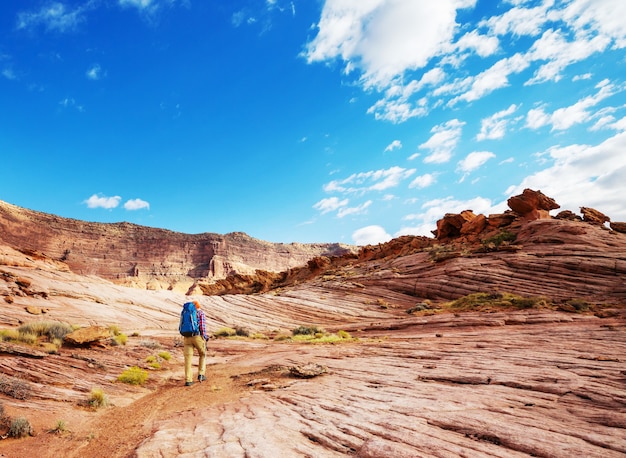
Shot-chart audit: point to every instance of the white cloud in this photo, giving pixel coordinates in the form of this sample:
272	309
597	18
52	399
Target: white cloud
605	17
578	113
584	175
136	204
423	181
436	208
444	140
494	127
384	38
330	204
519	21
483	45
54	16
94	72
370	235
396	144
9	74
96	201
358	210
70	102
377	180
474	160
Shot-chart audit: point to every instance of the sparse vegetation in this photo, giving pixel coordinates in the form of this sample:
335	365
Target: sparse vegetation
494	242
59	428
307	331
14	387
20	427
150	344
133	376
495	301
225	332
165	355
50	329
98	398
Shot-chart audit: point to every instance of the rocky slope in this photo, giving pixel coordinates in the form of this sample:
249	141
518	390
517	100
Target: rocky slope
424	378
147	257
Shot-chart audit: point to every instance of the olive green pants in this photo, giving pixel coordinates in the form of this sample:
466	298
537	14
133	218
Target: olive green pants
199	344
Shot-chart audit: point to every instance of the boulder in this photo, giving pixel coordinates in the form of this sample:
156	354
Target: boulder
618	227
532	204
88	335
593	216
450	225
568	215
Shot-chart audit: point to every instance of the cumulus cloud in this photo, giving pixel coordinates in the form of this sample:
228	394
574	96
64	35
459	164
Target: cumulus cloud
423	181
94	72
330	204
494	127
425	222
442	143
566	117
370	235
396	144
97	201
584	175
136	204
474	160
376	180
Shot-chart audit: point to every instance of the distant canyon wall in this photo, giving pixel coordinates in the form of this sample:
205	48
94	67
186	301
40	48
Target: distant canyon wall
137	255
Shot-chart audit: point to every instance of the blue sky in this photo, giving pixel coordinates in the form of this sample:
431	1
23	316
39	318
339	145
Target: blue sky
310	121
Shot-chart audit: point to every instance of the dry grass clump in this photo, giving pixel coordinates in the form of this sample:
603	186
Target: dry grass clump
97	398
133	376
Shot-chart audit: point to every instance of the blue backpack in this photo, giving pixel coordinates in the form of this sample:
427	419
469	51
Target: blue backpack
188	325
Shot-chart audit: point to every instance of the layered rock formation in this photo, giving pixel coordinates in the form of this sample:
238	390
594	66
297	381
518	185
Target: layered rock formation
147	257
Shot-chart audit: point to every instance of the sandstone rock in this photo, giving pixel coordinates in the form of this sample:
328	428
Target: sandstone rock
88	335
593	216
450	225
498	220
308	370
474	226
532	204
618	227
568	215
130	254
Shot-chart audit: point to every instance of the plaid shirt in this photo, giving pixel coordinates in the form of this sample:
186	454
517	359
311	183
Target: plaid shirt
202	324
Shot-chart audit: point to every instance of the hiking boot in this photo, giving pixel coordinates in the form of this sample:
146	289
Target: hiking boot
188	383
201	378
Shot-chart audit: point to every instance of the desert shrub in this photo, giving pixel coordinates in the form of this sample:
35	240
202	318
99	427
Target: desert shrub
150	344
491	301
151	359
14	387
97	398
242	332
259	335
225	332
20	427
307	330
579	305
344	334
27	338
165	355
120	339
494	242
133	376
9	334
51	329
155	365
114	330
59	428
281	337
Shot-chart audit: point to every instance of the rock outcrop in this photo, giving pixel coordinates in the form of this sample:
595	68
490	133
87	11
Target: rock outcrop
146	257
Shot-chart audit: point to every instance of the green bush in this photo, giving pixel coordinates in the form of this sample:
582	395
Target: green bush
51	329
307	330
133	376
20	427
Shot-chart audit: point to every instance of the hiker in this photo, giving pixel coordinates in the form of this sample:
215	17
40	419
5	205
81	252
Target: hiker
193	328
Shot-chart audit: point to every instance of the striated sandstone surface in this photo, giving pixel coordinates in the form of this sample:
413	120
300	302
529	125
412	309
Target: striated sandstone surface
422	380
147	257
